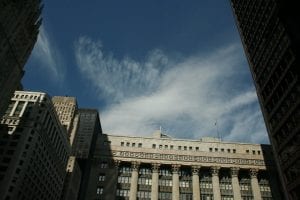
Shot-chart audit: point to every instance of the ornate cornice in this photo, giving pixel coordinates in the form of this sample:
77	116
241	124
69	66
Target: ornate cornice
188	158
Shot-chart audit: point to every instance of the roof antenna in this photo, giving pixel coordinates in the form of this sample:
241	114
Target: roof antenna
219	135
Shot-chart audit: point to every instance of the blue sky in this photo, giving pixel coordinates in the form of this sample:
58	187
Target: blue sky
146	64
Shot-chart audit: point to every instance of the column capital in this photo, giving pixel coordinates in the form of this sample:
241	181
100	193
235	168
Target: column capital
116	163
215	170
253	172
195	169
155	167
135	165
234	171
175	168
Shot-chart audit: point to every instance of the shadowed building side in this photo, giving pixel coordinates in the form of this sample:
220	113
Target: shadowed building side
270	33
19	25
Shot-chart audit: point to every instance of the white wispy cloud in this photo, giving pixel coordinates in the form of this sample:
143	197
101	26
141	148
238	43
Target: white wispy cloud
186	98
48	56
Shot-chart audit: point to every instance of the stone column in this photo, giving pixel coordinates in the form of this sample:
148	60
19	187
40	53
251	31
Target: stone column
216	183
196	184
154	186
175	181
254	184
134	180
235	183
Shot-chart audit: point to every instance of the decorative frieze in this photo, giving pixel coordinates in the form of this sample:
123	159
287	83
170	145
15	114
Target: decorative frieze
188	158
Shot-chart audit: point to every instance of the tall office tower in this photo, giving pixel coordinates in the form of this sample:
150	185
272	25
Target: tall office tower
19	24
89	128
66	108
270	32
161	167
34	150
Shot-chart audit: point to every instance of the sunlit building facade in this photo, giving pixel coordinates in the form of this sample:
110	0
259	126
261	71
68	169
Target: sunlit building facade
161	167
270	31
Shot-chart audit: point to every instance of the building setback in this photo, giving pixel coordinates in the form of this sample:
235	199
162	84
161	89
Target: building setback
270	32
19	24
66	109
34	149
160	167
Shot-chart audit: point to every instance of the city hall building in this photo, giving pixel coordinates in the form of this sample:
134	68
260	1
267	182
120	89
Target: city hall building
161	167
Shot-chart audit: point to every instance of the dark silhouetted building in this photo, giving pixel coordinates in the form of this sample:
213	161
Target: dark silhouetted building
270	32
34	149
88	130
19	24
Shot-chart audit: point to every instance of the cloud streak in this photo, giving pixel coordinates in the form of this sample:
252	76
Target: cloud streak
48	56
185	97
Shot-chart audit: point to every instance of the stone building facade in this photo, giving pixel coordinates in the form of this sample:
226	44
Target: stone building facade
270	31
19	25
34	149
67	111
160	167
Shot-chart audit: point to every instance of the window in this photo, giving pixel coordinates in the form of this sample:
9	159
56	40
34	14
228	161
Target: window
184	184
171	147
99	190
160	146
210	149
179	147
258	152
247	151
165	182
122	144
222	150
153	146
124	179
190	148
228	150
144	181
127	144
197	148
166	146
122	193
216	149
133	144
101	177
185	147
143	195
103	165
234	151
253	152
140	145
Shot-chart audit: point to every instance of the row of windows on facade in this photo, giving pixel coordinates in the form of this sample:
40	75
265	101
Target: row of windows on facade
185	148
224	184
25	96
